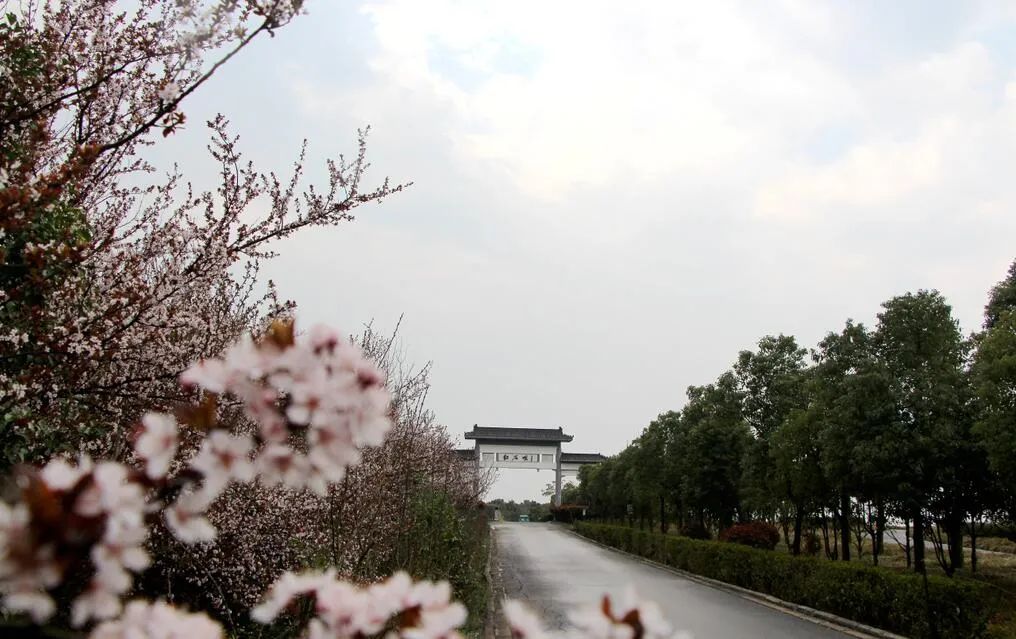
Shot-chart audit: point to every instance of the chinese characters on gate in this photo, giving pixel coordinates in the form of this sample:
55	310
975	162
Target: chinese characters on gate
517	457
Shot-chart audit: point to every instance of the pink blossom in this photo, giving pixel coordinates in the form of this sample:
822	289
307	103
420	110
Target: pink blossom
323	382
307	395
60	475
159	620
98	602
324	337
224	457
23	580
209	374
286	588
279	464
523	622
346	610
610	621
122	547
157	443
169	92
38	605
111	493
186	518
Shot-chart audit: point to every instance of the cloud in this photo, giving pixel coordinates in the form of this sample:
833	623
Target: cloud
614	92
929	129
612	199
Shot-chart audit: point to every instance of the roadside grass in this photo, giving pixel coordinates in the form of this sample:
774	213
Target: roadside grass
993	544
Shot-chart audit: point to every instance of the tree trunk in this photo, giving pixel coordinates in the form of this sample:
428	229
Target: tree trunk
954	533
798	523
663	515
879	542
785	525
919	541
836	537
906	541
844	515
829	553
973	544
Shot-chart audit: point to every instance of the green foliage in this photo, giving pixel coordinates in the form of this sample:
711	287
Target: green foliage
571	494
1002	298
446	542
994	380
510	510
796	457
709	450
772	381
855	410
24	440
876	596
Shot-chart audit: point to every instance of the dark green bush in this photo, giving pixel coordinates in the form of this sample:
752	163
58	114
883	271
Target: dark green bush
875	596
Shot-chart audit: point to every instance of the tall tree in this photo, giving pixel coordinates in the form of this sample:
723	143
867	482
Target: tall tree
771	381
855	407
711	451
1001	299
797	467
994	379
772	384
649	468
921	346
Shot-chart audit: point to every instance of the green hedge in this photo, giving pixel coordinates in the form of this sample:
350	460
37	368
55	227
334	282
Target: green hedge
878	597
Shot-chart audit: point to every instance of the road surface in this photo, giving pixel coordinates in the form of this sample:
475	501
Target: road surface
555	571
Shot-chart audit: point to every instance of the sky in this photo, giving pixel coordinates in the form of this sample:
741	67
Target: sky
611	200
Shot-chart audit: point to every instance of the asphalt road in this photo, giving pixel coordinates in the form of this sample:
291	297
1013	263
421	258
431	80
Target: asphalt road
555	571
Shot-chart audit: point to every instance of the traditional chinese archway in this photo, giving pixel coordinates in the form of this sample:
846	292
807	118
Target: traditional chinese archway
536	448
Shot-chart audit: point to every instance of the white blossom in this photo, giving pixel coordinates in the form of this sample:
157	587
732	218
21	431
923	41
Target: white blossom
186	518
157	443
159	620
346	610
169	92
224	457
59	474
523	622
38	605
98	602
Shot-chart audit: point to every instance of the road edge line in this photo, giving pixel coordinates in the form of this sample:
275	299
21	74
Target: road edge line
820	617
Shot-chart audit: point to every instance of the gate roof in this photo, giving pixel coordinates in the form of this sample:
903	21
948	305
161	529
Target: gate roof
497	433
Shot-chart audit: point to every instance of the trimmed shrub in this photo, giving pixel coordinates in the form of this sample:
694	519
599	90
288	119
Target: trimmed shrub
757	534
895	601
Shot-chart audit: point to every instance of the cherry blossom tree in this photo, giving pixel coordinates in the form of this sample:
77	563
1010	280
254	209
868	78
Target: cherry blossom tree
108	286
361	528
129	306
317	403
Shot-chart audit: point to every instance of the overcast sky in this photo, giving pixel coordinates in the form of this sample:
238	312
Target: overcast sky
611	200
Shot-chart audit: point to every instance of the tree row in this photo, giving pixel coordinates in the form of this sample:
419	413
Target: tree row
906	425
